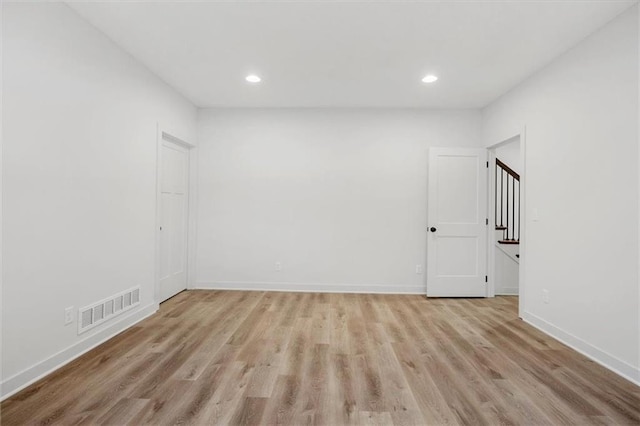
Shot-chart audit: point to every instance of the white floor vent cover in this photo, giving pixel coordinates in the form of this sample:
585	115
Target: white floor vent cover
107	309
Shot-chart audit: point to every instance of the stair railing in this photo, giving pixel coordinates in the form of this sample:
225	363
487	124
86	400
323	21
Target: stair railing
507	212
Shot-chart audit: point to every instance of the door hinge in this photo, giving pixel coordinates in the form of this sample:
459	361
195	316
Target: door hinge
486	278
487	164
486	221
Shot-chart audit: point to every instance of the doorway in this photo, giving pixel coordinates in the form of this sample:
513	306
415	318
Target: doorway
173	213
506	260
505	233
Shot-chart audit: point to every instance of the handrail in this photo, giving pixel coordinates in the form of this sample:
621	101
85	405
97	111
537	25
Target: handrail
508	169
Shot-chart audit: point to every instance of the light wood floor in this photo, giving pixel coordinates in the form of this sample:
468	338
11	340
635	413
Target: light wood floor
224	357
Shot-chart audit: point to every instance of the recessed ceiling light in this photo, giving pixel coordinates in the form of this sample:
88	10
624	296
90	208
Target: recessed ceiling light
253	78
429	78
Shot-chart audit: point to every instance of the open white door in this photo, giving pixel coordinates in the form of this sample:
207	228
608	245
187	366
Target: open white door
457	214
174	197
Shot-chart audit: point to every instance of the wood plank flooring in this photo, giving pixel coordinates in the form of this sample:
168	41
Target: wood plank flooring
231	357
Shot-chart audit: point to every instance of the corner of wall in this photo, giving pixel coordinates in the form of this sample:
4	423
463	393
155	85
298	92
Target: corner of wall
618	366
32	374
531	102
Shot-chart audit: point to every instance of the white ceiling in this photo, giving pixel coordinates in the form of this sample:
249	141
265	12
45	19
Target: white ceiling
347	54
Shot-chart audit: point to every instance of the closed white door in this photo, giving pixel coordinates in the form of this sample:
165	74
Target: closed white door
457	229
173	219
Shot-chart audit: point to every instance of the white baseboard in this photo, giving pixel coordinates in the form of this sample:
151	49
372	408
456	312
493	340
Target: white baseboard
508	291
311	288
34	373
608	361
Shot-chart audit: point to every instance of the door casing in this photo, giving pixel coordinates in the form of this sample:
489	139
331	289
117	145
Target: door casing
522	135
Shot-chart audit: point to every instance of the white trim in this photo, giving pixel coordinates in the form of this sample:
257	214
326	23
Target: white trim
638	159
192	219
523	224
491	214
156	266
1	207
37	371
522	135
603	358
174	139
489	233
508	291
311	288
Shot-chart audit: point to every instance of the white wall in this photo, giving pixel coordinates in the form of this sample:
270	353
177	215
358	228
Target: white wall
506	269
638	113
581	118
79	175
339	197
509	153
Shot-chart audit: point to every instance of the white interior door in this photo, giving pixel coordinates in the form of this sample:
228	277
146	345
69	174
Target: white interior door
174	197
457	213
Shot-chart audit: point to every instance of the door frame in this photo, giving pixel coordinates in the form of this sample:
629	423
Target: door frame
164	135
491	247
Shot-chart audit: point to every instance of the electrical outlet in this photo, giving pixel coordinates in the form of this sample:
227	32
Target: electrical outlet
545	296
418	269
68	315
278	266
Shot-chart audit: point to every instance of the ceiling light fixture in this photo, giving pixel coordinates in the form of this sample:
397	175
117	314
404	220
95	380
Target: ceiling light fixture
253	78
429	78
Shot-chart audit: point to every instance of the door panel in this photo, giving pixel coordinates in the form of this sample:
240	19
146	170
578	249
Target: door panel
178	235
457	189
457	212
173	219
165	237
457	256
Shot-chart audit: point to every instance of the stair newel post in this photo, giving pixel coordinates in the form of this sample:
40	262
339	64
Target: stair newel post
519	215
495	201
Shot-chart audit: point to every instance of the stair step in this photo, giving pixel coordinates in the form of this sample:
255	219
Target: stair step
508	241
500	228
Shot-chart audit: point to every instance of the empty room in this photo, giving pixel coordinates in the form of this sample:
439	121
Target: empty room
320	212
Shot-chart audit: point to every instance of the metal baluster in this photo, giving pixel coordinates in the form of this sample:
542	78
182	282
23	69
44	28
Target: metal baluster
495	204
519	215
508	207
513	208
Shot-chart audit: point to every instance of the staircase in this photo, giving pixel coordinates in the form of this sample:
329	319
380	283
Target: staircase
507	212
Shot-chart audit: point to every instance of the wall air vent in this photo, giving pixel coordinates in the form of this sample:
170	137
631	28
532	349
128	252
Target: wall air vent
107	309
